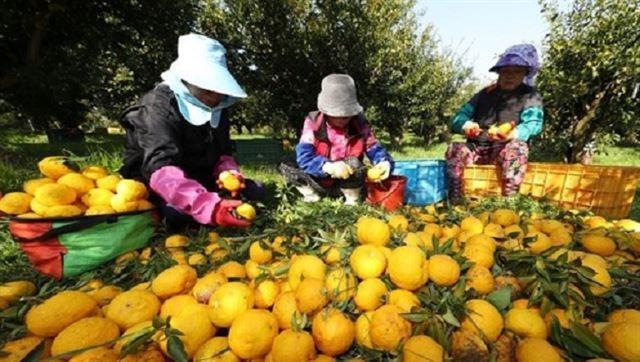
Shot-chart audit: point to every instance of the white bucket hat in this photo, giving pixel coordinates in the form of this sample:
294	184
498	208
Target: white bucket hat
338	96
203	63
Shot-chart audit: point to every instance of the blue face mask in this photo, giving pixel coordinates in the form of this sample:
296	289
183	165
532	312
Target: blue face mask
193	110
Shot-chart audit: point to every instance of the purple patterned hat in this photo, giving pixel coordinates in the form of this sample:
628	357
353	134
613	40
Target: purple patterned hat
521	55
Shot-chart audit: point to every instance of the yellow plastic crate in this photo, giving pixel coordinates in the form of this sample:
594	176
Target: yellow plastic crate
605	190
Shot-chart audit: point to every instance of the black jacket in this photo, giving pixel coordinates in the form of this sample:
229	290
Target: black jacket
158	135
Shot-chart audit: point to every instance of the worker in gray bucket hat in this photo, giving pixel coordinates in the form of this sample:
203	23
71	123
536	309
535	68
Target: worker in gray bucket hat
334	141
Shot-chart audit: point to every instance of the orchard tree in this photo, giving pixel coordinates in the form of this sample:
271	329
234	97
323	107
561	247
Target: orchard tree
591	66
62	58
281	50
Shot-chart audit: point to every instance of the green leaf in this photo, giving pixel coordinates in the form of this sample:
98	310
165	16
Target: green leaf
36	354
584	335
176	350
501	298
450	318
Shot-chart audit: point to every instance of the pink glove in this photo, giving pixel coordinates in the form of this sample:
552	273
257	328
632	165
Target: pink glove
183	194
223	214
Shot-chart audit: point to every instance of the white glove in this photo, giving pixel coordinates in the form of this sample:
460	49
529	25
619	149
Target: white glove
385	167
337	169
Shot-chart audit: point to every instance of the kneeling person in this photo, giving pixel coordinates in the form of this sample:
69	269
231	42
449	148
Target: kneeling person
334	141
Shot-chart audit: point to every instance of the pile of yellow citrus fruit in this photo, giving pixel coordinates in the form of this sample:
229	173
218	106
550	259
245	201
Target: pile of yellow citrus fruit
354	299
65	192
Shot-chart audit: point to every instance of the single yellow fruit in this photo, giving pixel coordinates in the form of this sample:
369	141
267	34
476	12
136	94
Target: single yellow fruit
176	241
598	244
145	205
333	332
131	333
102	354
30	186
80	184
468	346
97	197
205	286
84	333
363	326
482	240
176	304
594	222
105	294
541	242
422	348
246	211
628	225
15	203
29	215
388	328
601	277
54	167
290	346
408	267
624	315
536	349
560	237
483	319
340	284
330	254
368	261
450	232
432	229
525	323
131	190
479	255
109	182
266	293
252	334
229	181
472	225
119	204
178	279
18	349
621	341
561	315
494	230
370	294
374	231
480	279
216	350
151	354
285	309
443	270
403	299
12	291
505	217
197	259
62	211
398	222
132	307
233	269
95	172
58	312
311	295
305	266
228	302
99	210
259	254
192	321
375	173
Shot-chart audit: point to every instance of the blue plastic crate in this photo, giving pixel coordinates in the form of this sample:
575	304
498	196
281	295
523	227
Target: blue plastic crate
426	180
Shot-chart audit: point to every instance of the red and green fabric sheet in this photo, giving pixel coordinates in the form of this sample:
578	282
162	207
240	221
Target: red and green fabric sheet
71	246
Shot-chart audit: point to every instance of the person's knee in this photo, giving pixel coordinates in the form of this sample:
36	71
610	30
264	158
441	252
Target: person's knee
456	149
518	146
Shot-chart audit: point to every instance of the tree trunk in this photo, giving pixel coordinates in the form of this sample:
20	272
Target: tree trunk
583	131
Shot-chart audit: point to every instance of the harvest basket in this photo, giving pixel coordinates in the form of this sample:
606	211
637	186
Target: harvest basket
426	180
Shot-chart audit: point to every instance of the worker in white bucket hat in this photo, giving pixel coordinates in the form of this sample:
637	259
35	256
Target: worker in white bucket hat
178	137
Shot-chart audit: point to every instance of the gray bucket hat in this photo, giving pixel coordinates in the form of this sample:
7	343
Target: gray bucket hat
338	97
